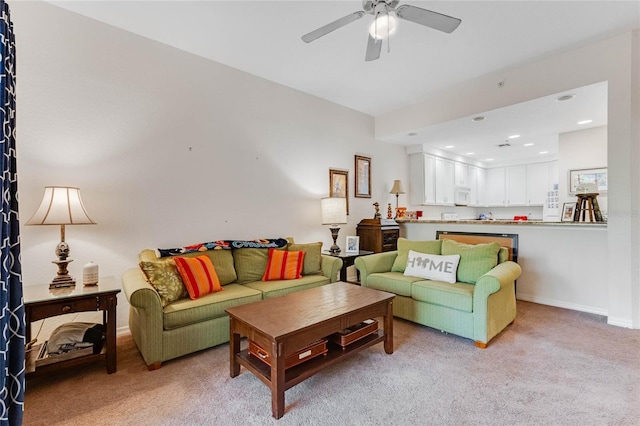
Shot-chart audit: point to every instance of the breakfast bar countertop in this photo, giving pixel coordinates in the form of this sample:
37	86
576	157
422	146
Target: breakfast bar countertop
504	222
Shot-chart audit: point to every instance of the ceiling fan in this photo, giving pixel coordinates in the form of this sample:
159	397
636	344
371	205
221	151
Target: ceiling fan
385	22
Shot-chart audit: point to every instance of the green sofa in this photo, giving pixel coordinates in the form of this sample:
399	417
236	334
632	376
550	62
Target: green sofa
478	306
184	326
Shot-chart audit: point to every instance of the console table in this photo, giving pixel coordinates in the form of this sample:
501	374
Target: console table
41	302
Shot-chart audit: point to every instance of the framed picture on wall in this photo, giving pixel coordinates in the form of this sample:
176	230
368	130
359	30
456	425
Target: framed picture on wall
568	211
363	177
339	184
588	178
353	244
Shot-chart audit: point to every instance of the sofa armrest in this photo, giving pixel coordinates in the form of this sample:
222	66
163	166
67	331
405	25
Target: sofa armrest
378	262
494	300
145	315
331	266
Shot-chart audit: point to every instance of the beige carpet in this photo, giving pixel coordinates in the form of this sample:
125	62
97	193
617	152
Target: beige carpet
551	367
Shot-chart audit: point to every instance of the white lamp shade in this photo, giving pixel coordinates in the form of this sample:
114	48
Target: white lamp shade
334	210
397	187
61	205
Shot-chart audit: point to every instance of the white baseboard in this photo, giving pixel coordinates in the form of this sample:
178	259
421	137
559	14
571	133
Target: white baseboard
562	304
620	322
121	331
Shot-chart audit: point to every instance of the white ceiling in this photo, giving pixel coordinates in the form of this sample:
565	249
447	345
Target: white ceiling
263	38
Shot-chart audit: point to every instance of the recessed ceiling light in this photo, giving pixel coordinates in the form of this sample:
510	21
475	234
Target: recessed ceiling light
585	121
528	144
513	137
470	153
565	98
412	134
489	159
543	152
449	146
479	118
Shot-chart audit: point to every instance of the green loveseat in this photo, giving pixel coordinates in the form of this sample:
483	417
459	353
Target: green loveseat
185	325
478	306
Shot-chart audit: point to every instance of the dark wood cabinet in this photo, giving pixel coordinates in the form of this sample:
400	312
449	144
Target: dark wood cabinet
378	235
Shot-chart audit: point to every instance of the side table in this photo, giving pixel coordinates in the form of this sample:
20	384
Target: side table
41	302
348	258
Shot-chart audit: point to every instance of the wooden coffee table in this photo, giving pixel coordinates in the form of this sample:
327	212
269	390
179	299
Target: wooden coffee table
283	325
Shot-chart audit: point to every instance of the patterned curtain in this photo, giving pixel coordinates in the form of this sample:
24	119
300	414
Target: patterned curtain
12	324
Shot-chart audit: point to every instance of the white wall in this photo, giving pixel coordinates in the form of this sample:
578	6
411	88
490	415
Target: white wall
171	149
582	149
615	60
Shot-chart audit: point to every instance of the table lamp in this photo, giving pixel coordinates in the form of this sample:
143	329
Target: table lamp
397	190
334	212
61	205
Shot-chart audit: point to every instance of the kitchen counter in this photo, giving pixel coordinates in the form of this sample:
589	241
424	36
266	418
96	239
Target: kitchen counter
505	222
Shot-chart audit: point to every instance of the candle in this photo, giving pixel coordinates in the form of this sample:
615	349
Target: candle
90	274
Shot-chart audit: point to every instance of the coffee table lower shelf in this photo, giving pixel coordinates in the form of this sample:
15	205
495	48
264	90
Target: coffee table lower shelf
303	371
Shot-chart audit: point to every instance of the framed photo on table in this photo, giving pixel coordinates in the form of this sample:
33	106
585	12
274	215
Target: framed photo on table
339	184
363	177
353	244
568	211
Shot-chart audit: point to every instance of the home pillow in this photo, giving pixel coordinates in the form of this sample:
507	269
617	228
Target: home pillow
312	257
475	260
198	275
164	277
432	266
284	265
404	245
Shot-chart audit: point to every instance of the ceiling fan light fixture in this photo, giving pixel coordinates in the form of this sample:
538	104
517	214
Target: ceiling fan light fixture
384	25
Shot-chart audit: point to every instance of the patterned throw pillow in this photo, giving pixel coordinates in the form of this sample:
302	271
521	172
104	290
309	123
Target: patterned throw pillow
198	275
164	277
284	265
432	266
475	260
312	257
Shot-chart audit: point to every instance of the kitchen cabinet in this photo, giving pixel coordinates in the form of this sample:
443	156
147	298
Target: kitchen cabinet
496	187
516	184
422	177
445	176
461	174
476	182
537	183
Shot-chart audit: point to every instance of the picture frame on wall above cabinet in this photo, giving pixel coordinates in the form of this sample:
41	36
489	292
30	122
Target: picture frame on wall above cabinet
568	211
339	184
363	176
580	177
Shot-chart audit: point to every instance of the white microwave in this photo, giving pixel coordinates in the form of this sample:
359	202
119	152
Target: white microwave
461	195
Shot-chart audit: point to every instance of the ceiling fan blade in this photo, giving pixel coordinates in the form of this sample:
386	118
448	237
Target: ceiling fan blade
428	18
373	49
332	26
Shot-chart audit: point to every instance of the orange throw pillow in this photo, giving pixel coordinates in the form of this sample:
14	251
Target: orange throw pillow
198	275
283	265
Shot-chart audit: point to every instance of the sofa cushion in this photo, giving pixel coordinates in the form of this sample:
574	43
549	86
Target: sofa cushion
475	260
222	260
393	282
281	287
164	277
283	265
457	296
198	275
186	311
312	257
404	245
432	266
250	264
